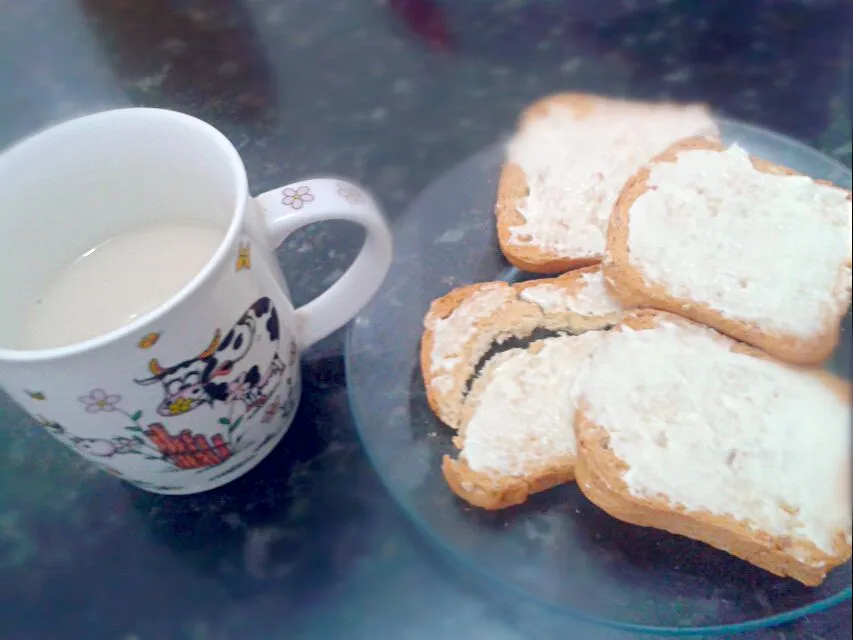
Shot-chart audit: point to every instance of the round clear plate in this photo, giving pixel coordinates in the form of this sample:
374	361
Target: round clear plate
557	548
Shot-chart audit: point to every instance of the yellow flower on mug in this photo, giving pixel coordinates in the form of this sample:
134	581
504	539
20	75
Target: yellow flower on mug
296	198
180	405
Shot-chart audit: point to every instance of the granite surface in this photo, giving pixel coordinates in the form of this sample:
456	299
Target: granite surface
389	93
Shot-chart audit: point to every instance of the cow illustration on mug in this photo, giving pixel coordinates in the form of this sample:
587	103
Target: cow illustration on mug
242	368
239	373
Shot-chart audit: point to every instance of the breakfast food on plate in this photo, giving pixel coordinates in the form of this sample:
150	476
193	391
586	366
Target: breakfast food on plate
747	247
685	430
462	326
566	166
664	422
516	435
515	425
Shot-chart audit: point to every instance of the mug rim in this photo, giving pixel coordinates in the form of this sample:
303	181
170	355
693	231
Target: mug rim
238	172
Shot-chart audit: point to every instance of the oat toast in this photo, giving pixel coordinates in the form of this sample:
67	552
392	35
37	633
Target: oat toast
565	168
747	247
683	429
461	327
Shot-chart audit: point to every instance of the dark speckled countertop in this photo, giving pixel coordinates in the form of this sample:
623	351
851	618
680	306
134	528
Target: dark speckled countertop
390	93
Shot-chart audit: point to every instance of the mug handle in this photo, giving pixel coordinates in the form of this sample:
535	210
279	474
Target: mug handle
286	209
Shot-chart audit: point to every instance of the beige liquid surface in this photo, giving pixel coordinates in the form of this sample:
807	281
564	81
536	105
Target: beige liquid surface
116	282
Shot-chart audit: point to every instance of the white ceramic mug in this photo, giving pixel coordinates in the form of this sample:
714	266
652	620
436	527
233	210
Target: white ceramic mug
140	401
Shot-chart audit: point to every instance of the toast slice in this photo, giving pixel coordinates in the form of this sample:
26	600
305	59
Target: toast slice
683	429
462	326
516	435
566	166
747	247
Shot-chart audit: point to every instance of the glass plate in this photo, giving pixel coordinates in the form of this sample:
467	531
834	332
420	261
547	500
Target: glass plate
557	548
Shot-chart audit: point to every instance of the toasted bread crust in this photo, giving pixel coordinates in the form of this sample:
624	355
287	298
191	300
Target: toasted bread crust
442	308
520	320
493	493
628	284
599	474
512	187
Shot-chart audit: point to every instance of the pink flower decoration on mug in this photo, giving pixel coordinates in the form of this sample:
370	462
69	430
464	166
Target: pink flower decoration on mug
297	198
99	400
